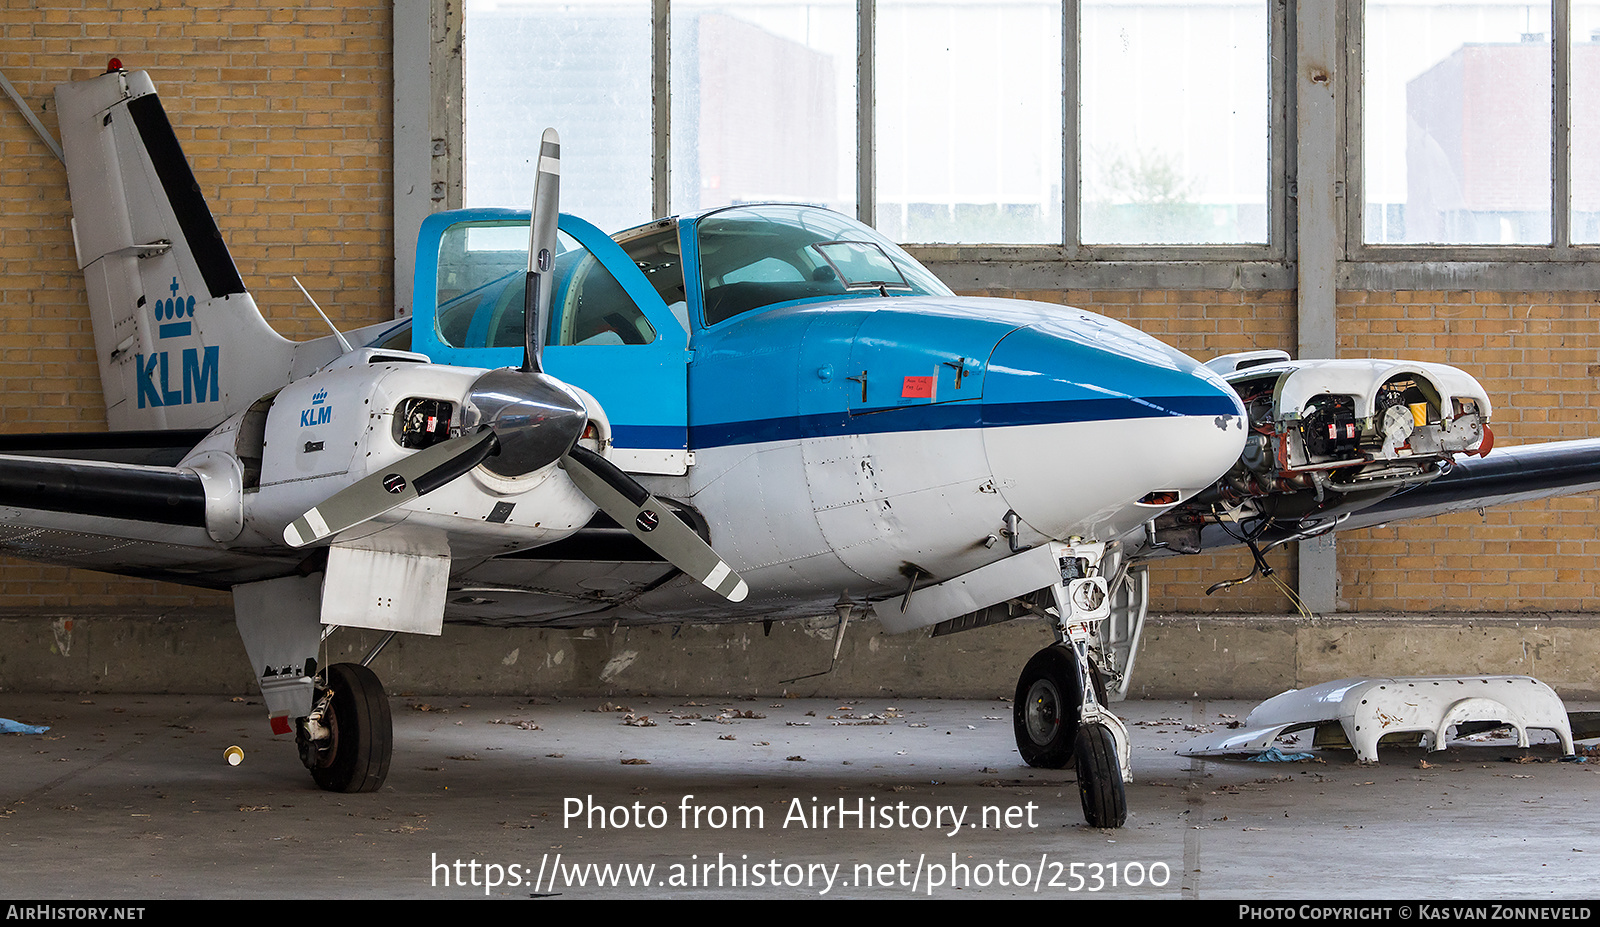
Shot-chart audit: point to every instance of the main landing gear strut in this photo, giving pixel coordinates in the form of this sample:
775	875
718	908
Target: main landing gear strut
1059	714
338	714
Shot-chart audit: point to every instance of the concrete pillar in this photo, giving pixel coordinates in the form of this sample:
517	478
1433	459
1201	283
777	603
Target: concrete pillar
1318	234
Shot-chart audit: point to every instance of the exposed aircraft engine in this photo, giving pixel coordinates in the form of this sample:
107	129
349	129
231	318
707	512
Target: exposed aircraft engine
1328	437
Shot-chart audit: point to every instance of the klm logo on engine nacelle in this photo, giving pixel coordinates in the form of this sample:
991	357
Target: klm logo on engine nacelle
200	368
320	412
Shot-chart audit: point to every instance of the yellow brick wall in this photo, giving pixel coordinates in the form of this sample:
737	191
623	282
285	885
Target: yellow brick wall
1538	354
285	113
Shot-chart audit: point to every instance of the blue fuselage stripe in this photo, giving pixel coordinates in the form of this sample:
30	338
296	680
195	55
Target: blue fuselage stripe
954	415
658	437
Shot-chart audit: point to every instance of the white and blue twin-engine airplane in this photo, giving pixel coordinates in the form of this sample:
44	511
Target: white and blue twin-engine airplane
752	414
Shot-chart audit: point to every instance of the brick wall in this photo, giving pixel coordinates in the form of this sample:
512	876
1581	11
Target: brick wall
284	111
1538	354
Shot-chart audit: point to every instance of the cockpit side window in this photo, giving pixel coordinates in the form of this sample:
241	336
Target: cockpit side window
757	256
476	259
482	276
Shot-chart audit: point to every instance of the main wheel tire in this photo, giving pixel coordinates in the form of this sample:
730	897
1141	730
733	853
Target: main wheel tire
1105	802
1044	714
357	756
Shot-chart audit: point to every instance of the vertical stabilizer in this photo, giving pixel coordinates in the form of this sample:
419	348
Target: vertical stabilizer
179	339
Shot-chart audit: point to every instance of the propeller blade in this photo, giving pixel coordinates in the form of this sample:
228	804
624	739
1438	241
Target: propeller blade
633	507
406	479
541	250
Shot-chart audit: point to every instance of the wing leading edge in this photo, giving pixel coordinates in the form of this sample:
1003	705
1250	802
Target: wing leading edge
159	495
1509	475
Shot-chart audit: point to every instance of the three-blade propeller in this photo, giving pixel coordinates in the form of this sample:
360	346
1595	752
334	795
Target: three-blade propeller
525	421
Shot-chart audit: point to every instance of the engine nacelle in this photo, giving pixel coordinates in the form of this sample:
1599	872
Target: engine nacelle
1330	436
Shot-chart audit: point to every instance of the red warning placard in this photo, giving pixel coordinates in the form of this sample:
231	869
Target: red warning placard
917	388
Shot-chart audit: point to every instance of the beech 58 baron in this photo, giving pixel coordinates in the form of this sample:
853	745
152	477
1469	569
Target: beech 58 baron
756	413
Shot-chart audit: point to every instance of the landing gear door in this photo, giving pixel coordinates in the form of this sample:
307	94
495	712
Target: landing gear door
609	331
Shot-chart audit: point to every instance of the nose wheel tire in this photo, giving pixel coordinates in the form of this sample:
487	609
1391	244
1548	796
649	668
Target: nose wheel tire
355	755
1105	802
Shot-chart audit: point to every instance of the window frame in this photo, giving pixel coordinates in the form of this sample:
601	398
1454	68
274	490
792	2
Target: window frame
428	178
1070	247
1382	256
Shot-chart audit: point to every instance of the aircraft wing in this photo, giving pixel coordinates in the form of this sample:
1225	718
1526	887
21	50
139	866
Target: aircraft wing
1508	475
109	502
163	495
150	522
119	475
60	505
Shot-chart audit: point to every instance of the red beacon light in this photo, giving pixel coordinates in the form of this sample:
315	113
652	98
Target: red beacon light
115	64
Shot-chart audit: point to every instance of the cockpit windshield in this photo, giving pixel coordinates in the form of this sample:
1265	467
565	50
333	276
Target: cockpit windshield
756	256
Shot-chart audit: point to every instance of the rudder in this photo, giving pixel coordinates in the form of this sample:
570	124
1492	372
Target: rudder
179	339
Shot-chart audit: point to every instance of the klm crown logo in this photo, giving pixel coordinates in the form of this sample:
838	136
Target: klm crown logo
200	366
174	308
320	412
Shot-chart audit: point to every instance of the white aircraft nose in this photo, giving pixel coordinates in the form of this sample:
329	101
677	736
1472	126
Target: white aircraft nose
1085	417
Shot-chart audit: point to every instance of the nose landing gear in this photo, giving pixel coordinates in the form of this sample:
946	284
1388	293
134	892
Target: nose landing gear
1044	712
1059	715
1059	723
1100	776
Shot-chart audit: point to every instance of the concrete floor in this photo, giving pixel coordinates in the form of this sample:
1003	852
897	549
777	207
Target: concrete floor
129	797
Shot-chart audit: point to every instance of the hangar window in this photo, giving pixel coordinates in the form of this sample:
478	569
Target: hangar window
763	103
970	146
1175	115
1031	122
1077	134
1585	106
578	65
1456	117
1477	125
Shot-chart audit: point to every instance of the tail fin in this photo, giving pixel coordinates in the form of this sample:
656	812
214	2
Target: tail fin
179	339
